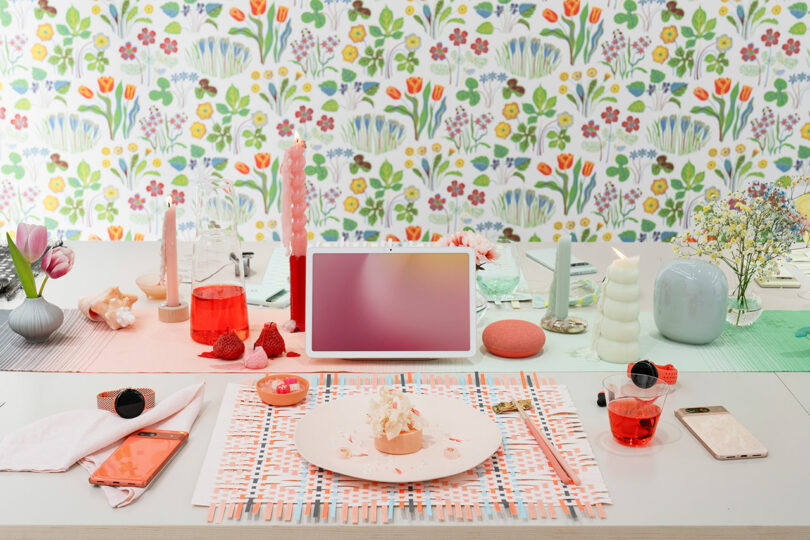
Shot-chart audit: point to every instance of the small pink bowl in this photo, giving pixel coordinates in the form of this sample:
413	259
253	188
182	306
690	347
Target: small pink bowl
281	400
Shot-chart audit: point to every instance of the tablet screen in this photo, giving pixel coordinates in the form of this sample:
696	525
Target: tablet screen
390	302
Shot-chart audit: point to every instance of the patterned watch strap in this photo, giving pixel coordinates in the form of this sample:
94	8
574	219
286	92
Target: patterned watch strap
106	400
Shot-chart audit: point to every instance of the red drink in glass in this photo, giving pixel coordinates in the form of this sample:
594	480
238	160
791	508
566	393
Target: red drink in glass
215	309
633	420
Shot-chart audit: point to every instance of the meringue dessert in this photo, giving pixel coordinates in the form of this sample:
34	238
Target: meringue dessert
396	425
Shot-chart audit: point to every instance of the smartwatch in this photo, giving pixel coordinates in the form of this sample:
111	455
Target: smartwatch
667	373
126	402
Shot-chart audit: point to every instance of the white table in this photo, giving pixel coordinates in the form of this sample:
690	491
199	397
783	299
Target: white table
672	489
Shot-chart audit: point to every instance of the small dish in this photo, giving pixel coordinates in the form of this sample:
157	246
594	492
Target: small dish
151	286
281	400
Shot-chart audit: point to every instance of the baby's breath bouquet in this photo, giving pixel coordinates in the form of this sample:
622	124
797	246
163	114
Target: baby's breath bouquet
748	230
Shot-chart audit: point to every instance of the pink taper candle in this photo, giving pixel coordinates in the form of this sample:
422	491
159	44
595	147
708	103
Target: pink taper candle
170	255
293	199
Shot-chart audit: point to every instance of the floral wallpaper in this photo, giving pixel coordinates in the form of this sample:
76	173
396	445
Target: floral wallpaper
606	120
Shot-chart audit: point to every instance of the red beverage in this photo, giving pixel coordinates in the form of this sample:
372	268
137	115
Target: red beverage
216	309
633	420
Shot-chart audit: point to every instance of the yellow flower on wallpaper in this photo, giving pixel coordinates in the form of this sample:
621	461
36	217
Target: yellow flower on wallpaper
44	32
564	120
502	130
510	110
436	147
558	225
358	185
806	131
198	130
712	194
56	184
96	9
357	33
411	193
607	237
350	53
39	51
111	193
409	10
724	43
205	110
462	9
659	187
459	163
660	54
351	204
101	42
651	205
50	203
408	163
259	119
282	71
412	42
584	222
669	34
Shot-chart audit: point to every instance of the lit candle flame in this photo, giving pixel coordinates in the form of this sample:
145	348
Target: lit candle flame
299	140
618	253
169	201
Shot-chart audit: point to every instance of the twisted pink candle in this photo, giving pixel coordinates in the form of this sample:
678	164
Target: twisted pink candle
293	199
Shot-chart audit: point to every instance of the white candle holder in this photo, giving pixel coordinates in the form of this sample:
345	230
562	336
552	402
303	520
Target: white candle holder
569	325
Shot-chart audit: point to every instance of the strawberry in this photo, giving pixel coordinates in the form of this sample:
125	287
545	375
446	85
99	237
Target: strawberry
271	341
227	347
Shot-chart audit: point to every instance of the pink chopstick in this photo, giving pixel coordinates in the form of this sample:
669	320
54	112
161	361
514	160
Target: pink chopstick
561	467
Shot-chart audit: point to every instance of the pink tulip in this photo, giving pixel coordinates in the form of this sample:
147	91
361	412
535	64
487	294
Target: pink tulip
57	262
31	240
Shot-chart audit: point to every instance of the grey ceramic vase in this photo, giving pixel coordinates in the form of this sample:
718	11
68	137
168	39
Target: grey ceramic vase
36	319
690	301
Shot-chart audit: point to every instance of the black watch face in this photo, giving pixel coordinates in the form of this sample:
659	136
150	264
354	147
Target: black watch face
129	403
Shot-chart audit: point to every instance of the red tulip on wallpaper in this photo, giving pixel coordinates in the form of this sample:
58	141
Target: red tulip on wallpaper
722	86
438	90
393	92
237	14
414	84
242	167
105	84
587	168
544	168
115	232
435	237
745	93
701	94
262	160
281	14
413	232
564	161
258	7
129	92
85	92
550	16
571	7
593	18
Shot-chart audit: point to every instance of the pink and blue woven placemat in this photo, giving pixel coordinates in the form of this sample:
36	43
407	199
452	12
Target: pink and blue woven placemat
253	471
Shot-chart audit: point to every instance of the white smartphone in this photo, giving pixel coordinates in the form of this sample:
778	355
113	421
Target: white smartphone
722	435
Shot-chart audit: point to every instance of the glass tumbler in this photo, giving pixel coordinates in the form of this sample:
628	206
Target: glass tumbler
499	278
218	302
634	406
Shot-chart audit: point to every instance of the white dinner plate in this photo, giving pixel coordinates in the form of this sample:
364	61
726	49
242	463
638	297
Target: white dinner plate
451	423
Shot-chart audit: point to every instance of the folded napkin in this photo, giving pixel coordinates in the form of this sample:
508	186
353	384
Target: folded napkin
89	436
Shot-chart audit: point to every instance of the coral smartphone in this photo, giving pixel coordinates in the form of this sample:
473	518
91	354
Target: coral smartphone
139	459
720	433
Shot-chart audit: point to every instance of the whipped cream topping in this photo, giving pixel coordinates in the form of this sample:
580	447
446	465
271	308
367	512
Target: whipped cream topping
392	414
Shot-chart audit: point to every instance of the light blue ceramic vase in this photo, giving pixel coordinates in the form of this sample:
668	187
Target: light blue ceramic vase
690	301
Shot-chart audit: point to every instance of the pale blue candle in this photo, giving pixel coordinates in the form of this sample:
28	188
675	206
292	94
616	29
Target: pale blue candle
562	277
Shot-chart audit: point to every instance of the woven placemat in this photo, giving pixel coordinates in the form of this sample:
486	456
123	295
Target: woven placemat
253	471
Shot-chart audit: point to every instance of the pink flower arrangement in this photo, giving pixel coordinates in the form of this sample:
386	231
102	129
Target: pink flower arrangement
31	244
483	248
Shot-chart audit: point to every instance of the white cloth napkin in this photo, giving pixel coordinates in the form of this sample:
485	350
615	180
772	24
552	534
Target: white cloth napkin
89	436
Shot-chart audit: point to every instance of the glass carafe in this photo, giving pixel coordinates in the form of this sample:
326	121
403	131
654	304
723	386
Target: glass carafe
217	274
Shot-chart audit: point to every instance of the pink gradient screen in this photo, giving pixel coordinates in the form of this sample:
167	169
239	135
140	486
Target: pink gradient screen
390	302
